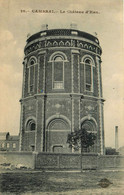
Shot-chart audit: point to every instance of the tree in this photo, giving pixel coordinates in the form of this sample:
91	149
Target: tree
81	139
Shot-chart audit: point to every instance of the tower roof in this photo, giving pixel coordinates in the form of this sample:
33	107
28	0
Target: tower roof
63	32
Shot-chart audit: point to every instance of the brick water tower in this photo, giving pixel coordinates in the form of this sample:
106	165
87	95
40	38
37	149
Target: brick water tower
62	90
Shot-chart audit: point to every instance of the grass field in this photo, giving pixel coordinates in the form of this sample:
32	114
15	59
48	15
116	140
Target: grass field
60	183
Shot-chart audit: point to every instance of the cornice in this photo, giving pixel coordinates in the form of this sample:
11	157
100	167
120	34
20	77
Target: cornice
68	42
43	50
61	37
63	95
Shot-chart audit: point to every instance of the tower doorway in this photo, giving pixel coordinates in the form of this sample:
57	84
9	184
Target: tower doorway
56	136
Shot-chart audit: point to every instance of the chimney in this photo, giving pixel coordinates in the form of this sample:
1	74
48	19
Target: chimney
44	27
73	26
116	137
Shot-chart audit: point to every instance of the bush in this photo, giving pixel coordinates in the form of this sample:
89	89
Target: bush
111	151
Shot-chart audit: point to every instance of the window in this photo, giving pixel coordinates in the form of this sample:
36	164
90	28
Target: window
3	145
31	126
32	147
58	60
88	73
58	73
14	145
31	71
90	127
74	32
7	145
43	34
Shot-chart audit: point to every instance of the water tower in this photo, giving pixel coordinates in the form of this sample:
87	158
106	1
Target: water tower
62	90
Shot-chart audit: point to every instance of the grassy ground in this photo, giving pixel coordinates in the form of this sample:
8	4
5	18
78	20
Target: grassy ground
61	183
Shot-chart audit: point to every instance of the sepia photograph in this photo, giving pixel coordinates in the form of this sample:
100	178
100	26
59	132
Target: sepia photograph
62	97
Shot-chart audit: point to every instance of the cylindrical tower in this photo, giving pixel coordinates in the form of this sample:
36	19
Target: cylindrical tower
62	90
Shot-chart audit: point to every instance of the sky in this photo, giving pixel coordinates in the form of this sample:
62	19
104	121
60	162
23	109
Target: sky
18	18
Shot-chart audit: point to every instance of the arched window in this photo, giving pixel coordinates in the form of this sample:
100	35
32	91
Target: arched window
31	77
88	73
58	60
31	126
90	127
58	72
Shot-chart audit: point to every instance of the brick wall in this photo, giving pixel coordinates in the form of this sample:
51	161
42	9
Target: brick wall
24	158
62	161
73	161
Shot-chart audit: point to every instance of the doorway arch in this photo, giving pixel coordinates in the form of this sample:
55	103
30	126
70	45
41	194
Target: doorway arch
56	135
90	125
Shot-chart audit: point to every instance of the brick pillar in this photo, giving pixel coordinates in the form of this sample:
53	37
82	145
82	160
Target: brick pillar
100	105
40	103
75	99
41	72
21	137
75	69
39	126
24	75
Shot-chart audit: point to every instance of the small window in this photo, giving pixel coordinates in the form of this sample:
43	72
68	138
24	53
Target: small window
14	145
43	34
31	126
32	147
74	32
32	62
58	85
3	145
7	145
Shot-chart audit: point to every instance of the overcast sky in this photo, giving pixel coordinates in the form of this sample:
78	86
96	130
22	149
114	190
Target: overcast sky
14	27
